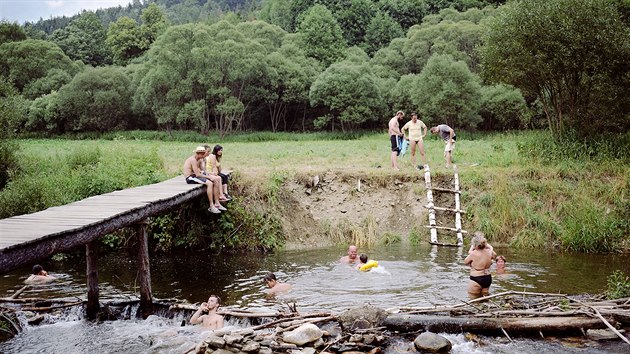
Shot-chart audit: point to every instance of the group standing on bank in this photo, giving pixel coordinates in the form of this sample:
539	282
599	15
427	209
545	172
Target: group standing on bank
417	130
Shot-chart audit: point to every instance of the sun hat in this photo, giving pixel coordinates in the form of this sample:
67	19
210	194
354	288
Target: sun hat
200	148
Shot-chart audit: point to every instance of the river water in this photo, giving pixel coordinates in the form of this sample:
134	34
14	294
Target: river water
408	276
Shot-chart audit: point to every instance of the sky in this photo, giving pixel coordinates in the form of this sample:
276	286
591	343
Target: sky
32	10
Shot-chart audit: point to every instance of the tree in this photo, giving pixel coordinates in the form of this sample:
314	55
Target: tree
380	32
350	92
502	108
278	12
321	34
26	61
11	109
11	32
447	92
289	76
84	39
128	40
406	12
125	40
98	99
458	39
354	18
571	54
153	24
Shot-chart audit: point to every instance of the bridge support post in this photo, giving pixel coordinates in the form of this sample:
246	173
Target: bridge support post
91	254
144	270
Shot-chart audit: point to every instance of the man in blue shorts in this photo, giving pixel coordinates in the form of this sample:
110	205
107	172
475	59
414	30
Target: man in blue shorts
194	176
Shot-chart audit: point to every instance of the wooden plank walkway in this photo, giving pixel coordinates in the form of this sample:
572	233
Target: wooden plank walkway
24	239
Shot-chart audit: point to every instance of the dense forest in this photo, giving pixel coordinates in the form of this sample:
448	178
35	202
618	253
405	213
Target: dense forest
300	65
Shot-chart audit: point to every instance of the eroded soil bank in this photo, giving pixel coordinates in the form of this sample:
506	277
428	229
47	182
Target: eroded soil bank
323	209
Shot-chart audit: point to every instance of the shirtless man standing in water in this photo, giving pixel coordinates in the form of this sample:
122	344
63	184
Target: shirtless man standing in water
479	261
207	314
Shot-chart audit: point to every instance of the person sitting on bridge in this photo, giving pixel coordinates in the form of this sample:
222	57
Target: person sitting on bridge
39	276
207	168
207	314
274	285
194	175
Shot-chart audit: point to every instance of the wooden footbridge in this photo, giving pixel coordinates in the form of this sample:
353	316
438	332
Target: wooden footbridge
25	239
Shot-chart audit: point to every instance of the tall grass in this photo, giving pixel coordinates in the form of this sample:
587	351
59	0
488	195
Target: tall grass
521	188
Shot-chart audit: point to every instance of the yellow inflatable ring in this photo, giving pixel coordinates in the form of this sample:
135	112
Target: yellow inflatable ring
369	265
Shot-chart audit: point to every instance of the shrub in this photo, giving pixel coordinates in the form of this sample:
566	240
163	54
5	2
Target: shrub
618	285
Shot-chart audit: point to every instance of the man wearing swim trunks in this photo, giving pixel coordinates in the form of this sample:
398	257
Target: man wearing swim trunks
417	131
394	133
194	176
448	135
479	261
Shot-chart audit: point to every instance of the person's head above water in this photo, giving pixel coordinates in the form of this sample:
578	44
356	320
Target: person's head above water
501	261
479	241
37	269
352	252
363	258
270	279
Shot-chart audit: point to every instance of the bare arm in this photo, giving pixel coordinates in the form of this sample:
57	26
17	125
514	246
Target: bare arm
468	261
197	317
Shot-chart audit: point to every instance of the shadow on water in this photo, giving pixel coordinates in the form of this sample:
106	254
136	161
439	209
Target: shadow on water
409	276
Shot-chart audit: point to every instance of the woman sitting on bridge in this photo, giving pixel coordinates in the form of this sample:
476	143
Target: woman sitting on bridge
479	261
213	161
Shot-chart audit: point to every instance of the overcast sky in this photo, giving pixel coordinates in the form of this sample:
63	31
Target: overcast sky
32	10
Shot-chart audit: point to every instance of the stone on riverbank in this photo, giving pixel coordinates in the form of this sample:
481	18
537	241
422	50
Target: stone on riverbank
306	333
432	342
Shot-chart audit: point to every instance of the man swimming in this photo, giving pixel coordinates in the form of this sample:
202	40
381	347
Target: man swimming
351	258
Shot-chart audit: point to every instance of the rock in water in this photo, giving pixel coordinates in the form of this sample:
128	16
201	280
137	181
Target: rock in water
306	333
432	342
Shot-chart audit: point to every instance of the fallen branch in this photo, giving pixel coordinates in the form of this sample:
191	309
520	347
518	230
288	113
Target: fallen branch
17	293
48	308
273	323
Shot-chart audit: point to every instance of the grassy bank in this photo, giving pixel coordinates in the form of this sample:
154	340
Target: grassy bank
513	192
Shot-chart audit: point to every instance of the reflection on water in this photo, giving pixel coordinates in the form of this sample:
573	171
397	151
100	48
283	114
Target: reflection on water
415	276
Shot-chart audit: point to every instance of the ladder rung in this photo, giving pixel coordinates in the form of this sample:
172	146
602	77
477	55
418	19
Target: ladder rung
445	228
446	244
446	209
445	190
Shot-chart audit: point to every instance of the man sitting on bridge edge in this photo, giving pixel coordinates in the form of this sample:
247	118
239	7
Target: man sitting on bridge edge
194	175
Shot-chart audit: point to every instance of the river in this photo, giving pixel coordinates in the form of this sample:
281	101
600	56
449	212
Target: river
409	276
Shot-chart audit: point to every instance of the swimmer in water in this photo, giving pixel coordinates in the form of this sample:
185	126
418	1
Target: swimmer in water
479	261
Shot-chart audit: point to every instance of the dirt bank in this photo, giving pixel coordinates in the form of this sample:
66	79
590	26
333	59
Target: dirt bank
323	209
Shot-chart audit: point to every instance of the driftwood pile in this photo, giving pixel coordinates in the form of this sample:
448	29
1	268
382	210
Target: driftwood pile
368	329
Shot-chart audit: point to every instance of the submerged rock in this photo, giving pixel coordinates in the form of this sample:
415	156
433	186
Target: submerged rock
432	342
306	333
363	317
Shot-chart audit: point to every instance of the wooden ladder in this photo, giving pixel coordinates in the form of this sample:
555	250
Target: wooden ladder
432	208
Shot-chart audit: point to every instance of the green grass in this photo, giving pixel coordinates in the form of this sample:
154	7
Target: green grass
513	193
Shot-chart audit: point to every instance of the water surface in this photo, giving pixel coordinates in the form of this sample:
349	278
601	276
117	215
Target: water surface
409	276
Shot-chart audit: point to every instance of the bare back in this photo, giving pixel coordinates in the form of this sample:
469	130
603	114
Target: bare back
479	262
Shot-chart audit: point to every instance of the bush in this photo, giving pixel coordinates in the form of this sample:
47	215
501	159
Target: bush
8	161
618	285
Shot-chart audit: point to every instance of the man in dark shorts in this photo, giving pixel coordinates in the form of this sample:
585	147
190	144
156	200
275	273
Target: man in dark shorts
394	133
194	176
